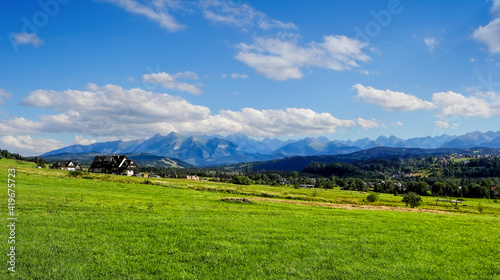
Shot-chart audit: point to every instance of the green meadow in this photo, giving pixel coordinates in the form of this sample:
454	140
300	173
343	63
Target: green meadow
113	227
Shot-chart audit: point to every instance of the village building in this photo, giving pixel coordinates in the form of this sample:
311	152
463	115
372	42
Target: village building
285	181
67	165
118	165
193	177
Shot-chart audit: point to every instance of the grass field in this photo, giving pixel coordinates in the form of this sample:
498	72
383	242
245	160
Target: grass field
114	227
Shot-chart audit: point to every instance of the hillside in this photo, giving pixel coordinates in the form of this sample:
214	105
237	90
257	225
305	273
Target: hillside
142	159
117	227
298	163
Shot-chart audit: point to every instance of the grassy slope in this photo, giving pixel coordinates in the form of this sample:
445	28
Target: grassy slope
93	229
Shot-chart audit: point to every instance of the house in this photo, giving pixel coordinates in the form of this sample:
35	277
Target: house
115	164
307	186
193	177
285	181
67	165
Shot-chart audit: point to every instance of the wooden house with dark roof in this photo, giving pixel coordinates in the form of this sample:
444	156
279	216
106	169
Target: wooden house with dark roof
67	165
115	164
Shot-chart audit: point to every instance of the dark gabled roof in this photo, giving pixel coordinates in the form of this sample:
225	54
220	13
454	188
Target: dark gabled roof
62	164
113	162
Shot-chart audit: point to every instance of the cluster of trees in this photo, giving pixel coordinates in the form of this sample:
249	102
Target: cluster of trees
474	168
468	178
473	177
332	169
8	155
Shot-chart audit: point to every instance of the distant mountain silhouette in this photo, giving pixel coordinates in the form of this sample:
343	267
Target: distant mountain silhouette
236	148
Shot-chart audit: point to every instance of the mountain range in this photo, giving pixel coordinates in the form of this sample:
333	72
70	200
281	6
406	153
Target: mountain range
236	148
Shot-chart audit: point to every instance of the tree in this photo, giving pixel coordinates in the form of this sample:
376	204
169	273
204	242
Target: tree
412	199
41	163
372	197
421	187
438	188
242	180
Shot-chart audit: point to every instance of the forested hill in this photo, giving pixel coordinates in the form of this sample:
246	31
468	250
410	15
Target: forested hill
298	163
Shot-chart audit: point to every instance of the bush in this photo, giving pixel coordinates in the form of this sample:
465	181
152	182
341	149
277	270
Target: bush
75	173
480	208
412	199
372	197
242	180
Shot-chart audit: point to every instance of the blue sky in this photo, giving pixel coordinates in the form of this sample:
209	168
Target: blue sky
76	72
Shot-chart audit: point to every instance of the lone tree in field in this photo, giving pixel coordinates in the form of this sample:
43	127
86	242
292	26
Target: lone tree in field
412	199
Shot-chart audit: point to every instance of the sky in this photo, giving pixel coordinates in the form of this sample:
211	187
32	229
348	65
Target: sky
80	72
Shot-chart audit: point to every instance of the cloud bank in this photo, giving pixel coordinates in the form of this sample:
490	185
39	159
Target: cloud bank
282	58
391	100
112	112
488	34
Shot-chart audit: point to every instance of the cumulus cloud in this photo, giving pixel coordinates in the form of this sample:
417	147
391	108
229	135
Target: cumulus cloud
4	95
442	124
488	34
26	39
111	112
397	124
240	15
273	67
281	58
239	76
171	81
28	146
495	9
19	126
455	104
80	140
292	121
366	124
115	102
431	43
391	100
157	11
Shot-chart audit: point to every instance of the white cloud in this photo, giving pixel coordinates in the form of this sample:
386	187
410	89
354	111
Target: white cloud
488	34
240	15
4	95
456	104
27	146
80	140
27	39
282	58
442	124
239	76
273	67
170	81
19	126
111	112
391	100
366	124
397	124
431	43
266	123
156	11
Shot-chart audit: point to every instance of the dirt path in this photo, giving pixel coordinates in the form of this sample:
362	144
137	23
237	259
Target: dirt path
352	206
